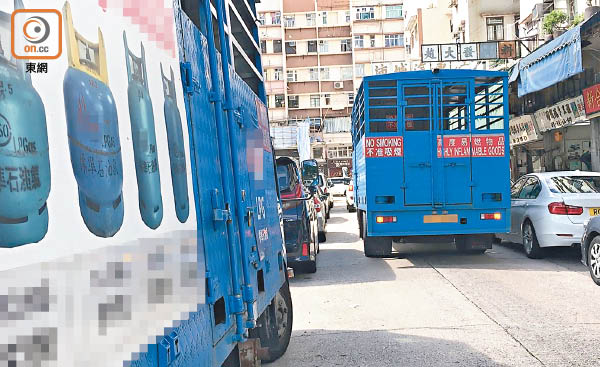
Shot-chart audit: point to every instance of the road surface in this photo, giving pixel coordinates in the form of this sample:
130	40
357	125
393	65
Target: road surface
430	306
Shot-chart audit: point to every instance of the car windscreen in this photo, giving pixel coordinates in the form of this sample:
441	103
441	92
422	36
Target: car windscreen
283	178
346	181
574	184
337	181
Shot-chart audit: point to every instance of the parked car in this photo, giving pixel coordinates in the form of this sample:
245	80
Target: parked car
324	185
338	186
350	198
590	248
549	209
320	202
300	219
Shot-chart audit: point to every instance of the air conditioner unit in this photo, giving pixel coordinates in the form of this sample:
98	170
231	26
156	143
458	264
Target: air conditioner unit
338	85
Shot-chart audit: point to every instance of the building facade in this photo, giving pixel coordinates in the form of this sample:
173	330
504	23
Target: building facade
315	54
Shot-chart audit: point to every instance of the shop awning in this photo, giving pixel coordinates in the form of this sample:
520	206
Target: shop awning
553	62
549	64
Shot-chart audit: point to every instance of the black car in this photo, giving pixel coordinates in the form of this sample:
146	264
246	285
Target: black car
590	248
299	217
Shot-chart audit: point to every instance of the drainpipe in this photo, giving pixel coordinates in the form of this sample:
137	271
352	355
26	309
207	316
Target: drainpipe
236	303
247	291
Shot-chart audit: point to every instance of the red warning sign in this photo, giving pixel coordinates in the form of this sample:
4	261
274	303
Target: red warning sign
461	146
384	147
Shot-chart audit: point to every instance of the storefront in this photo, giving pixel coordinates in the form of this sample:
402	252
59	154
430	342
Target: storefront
527	146
339	167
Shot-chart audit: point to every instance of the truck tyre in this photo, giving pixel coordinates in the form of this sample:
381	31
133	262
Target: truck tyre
375	246
530	242
274	326
359	217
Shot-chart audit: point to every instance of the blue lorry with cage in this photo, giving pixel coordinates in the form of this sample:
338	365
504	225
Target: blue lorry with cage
431	159
104	263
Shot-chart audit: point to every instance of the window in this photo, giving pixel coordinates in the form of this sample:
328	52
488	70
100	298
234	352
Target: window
394	40
495	28
311	19
313	73
346	45
290	47
277	74
261	18
263	46
276	18
312	46
315	100
365	13
324	73
293	101
393	11
531	189
289	20
324	17
348	16
574	184
347	73
277	46
292	76
339	152
359	42
350	98
279	100
323	46
327	99
360	70
372	41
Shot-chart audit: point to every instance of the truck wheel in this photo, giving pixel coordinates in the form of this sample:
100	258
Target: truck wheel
375	246
530	242
359	217
275	325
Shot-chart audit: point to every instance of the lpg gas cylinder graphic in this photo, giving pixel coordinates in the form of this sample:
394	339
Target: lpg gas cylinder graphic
93	130
24	160
176	148
144	138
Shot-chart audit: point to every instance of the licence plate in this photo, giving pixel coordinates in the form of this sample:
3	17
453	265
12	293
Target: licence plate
445	218
594	212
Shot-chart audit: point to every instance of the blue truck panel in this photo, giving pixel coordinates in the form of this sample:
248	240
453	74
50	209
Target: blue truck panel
431	154
147	285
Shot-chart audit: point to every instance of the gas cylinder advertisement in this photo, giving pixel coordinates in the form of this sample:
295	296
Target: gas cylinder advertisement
95	173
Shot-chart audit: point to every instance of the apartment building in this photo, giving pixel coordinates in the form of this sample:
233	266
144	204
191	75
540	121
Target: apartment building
315	54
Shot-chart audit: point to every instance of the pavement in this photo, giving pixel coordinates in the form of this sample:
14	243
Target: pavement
431	306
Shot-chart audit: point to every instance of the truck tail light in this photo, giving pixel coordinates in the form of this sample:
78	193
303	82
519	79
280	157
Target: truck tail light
491	216
317	205
385	219
351	187
563	209
304	249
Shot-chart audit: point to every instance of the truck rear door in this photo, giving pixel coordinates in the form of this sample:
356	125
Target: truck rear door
437	141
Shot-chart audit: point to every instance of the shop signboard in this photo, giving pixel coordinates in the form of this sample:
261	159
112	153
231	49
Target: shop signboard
564	113
591	98
523	129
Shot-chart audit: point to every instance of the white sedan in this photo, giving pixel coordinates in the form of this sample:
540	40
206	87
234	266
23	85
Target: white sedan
338	185
549	209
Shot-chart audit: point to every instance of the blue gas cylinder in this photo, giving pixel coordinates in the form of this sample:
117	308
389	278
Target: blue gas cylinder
176	148
144	138
93	131
24	160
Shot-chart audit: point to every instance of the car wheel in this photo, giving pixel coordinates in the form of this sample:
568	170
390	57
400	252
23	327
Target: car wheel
275	325
322	238
530	242
594	259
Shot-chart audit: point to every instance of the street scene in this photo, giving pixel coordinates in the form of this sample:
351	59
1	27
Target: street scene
430	306
299	183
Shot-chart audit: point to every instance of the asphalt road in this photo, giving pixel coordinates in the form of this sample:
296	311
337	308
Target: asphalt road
430	306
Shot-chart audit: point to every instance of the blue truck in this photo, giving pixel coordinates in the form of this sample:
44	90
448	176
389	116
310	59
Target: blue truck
431	160
94	269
